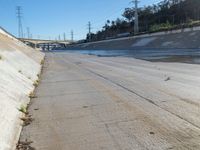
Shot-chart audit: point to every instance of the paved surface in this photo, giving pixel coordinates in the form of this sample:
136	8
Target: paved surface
94	103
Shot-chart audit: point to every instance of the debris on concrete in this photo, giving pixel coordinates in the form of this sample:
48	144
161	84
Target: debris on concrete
167	79
27	120
24	145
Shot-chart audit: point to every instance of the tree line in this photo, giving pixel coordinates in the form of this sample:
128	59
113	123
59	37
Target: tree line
166	15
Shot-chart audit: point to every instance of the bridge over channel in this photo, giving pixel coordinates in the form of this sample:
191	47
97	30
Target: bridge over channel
45	45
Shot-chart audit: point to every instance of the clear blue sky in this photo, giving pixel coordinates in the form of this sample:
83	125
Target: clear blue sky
49	18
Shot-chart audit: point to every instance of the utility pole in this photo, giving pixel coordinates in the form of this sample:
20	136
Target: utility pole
136	24
64	36
19	17
72	35
28	32
89	30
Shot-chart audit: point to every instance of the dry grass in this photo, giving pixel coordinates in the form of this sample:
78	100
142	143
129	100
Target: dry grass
42	62
23	109
27	120
36	83
32	95
24	145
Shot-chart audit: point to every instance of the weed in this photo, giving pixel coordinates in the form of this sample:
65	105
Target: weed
36	83
19	71
23	109
24	145
1	57
27	120
42	62
32	95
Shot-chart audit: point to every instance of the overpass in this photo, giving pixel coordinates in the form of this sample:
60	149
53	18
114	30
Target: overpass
45	45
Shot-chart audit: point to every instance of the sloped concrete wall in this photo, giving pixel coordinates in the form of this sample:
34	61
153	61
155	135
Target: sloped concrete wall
19	67
177	39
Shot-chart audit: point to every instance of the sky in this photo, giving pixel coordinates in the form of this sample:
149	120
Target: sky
47	19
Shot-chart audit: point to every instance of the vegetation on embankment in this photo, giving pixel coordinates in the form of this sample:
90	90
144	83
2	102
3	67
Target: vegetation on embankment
174	39
167	26
166	15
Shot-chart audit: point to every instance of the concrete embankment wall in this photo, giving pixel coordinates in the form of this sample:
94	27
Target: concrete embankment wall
177	39
19	67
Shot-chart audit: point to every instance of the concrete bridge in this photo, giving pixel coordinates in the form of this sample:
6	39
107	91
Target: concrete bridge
45	45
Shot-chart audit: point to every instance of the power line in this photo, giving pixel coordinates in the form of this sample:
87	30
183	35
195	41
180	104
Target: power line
19	16
99	22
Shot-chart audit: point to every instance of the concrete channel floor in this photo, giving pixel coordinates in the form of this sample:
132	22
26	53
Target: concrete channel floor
94	103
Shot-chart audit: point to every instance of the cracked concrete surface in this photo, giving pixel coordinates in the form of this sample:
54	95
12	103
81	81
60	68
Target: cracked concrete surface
95	103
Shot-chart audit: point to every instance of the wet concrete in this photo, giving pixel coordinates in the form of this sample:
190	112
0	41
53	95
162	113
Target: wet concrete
96	103
156	55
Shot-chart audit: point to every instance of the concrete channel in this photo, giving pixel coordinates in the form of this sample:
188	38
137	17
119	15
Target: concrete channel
114	103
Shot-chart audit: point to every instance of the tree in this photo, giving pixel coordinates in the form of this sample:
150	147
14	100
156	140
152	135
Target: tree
129	14
162	16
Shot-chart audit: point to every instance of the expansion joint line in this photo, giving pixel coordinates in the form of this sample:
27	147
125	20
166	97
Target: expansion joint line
147	99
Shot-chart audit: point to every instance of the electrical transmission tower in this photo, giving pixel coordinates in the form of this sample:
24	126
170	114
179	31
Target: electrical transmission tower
19	17
72	35
89	31
136	24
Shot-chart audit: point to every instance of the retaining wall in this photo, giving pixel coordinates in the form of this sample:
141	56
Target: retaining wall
19	67
178	39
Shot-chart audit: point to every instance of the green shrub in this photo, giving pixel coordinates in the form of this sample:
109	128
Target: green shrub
23	109
161	27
